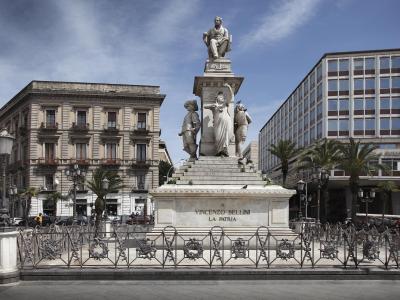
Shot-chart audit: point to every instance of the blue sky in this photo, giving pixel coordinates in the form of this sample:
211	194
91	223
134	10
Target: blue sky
275	44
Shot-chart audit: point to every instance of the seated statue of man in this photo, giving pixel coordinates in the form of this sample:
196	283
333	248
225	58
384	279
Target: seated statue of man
217	40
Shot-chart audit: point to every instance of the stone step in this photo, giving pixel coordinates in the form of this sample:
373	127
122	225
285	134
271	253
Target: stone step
216	168
221	182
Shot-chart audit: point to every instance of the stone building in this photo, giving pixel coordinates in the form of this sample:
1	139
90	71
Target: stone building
346	94
59	124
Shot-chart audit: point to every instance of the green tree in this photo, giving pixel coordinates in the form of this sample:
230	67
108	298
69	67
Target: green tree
28	194
386	188
96	186
357	160
284	150
163	169
324	154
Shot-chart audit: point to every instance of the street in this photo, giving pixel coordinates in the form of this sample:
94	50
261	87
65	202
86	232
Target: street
272	289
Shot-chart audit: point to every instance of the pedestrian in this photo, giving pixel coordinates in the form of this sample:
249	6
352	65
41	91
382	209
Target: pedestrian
39	219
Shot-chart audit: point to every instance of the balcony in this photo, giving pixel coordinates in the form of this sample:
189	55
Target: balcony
80	127
140	188
111	129
80	162
48	126
47	162
111	163
142	164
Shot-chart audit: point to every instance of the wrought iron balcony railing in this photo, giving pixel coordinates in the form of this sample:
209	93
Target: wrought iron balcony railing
48	126
80	126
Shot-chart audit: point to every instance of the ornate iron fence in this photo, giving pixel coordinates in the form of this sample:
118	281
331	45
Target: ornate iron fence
125	247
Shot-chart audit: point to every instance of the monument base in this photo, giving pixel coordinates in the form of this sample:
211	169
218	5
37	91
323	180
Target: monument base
220	192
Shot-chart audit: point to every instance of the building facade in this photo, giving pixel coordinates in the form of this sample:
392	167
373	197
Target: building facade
60	124
346	94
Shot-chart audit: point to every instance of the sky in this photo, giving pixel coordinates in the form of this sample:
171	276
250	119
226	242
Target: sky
159	42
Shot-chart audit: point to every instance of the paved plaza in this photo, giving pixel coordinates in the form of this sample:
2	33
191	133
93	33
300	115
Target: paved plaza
273	289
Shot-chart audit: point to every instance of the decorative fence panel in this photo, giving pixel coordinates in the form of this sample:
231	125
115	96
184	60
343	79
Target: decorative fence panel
124	247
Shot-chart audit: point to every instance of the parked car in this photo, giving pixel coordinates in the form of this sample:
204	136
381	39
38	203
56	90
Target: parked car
81	220
139	219
46	220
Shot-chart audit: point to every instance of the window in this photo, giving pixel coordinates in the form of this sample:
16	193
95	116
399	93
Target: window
343	85
312	98
141	181
319	111
384	63
385	105
319	73
396	125
112	120
358	84
359	105
396	84
370	105
49	182
358	126
387	146
49	152
370	124
312	80
305	104
81	118
343	67
358	65
344	106
370	85
81	151
332	67
319	130
141	152
385	126
370	64
343	126
141	122
111	151
332	127
396	105
332	107
312	116
319	92
395	64
50	118
385	84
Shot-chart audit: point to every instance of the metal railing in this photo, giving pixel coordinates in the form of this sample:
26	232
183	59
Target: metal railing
127	246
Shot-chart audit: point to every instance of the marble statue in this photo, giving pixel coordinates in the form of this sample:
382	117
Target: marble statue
217	40
190	128
241	122
222	121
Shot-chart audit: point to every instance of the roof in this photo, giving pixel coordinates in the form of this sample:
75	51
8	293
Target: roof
84	88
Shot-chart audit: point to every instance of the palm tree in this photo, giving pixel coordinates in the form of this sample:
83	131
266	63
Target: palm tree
325	155
356	160
96	186
386	187
285	150
28	193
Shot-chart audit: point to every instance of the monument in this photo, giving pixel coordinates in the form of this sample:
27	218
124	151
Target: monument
217	187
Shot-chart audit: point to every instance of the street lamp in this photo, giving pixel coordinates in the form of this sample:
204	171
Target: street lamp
105	183
12	192
320	177
6	144
76	175
367	197
300	188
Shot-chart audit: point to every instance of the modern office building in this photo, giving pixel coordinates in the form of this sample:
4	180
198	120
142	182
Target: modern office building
61	124
346	94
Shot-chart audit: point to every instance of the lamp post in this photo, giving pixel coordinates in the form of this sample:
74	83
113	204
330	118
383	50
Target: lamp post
12	192
320	177
105	184
6	144
367	197
76	175
300	188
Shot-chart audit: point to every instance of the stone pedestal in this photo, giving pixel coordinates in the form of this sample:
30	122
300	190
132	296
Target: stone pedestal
217	191
8	256
216	73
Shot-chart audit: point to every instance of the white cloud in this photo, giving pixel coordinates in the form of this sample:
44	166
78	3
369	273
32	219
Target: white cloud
280	22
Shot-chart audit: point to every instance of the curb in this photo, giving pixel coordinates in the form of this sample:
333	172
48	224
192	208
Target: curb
210	274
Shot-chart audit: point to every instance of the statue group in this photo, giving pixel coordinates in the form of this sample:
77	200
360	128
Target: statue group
226	128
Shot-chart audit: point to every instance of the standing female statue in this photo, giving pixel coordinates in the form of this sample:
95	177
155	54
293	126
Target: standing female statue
222	121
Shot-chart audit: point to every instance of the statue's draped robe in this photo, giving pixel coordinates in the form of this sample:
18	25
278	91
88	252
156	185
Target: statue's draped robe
223	128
